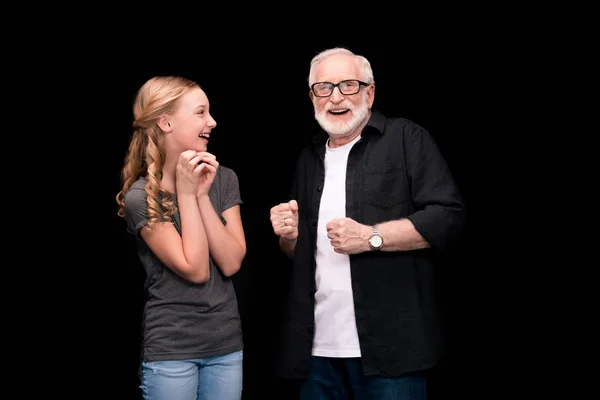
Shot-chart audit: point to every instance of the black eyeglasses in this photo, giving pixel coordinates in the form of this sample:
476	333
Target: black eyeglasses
347	87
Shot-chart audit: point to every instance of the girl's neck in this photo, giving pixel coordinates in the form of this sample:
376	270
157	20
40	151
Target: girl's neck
168	183
168	180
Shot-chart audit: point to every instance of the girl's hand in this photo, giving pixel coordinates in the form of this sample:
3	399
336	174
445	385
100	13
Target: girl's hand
208	172
188	172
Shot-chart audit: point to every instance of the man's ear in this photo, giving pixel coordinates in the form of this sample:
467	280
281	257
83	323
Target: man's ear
371	95
311	95
164	124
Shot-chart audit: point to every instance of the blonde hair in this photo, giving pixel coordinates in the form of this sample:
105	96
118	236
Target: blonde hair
365	65
146	155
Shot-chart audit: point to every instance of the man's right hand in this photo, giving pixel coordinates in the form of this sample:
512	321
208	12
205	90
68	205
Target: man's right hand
284	219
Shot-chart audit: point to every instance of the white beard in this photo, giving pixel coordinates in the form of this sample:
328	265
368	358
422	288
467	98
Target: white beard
341	128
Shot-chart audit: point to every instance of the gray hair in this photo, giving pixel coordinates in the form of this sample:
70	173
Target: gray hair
365	66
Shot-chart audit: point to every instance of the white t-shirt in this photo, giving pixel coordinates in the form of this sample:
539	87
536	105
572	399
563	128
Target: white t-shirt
335	324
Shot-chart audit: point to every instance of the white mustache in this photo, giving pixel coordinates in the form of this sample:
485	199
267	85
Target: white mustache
345	104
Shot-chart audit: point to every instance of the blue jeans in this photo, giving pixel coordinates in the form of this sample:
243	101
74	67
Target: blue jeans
209	378
343	378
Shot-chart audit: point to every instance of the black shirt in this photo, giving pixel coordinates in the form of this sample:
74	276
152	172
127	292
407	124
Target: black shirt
394	171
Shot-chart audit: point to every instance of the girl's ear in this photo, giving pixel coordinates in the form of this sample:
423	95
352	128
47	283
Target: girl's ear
164	124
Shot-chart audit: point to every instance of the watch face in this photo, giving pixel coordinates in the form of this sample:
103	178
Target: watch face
375	241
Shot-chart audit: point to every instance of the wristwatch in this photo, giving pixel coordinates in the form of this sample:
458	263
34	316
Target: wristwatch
375	241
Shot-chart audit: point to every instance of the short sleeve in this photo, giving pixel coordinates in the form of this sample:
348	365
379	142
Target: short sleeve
230	190
136	210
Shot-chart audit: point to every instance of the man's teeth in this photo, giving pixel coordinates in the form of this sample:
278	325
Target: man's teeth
338	111
204	136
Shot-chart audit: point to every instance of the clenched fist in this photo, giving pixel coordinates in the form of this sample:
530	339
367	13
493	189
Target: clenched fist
284	219
348	236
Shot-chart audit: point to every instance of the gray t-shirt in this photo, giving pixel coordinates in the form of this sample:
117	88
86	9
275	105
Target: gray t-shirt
181	319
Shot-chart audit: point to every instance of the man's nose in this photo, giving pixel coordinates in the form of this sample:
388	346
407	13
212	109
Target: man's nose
336	95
